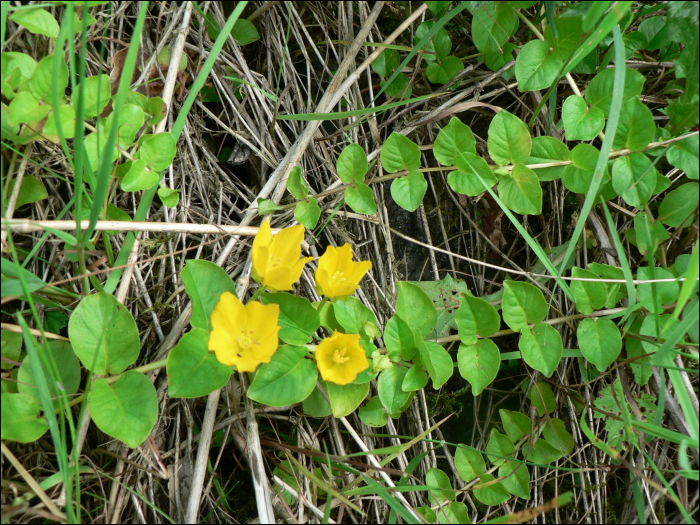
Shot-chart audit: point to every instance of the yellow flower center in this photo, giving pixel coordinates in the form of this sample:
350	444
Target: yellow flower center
338	278
245	340
274	263
339	356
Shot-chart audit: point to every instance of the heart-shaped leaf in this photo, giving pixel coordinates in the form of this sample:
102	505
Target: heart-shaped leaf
581	122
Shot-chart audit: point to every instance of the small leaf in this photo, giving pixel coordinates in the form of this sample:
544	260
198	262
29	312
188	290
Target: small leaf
580	121
37	21
454	139
43	81
543	453
509	139
390	392
345	399
589	295
204	283
400	153
523	304
97	95
266	206
68	377
684	156
437	478
548	149
32	190
466	180
416	308
476	316
316	404
600	89
634	179
352	164
470	464
541	347
441	72
654	295
296	184
361	199
373	414
491	494
158	150
635	129
244	32
516	479
521	191
66	115
170	197
492	26
439	45
352	314
600	341
26	108
479	364
455	511
578	175
399	87
678	206
298	319
308	213
541	397
126	409
438	362
408	191
556	434
286	380
415	379
400	339
139	177
500	445
20	418
516	425
386	63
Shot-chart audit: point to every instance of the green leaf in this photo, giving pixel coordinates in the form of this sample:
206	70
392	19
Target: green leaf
32	190
373	414
158	150
345	399
492	494
635	129
580	121
266	206
42	80
400	153
543	453
678	206
442	71
408	191
500	445
67	366
352	164
476	316
666	292
599	91
26	108
361	199
20	418
126	409
244	32
400	339
589	295
104	334
352	315
541	347
466	179
298	319
37	21
509	140
287	379
386	63
296	185
522	304
521	191
204	283
139	177
634	179
286	473
600	341
643	228
439	46
170	198
548	149
438	362
578	175
17	68
390	392
556	435
308	213
479	364
541	397
316	405
415	307
454	512
437	478
516	425
683	155
649	329
437	7
616	291
469	464
193	371
517	479
131	119
454	139
416	379
11	347
97	95
492	26
66	114
399	87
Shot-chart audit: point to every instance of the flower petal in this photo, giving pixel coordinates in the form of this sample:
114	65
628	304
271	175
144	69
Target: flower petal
329	260
261	245
359	271
279	279
262	320
229	314
296	270
345	263
286	246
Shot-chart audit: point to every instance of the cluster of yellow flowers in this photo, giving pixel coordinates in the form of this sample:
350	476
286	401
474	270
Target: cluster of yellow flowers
247	335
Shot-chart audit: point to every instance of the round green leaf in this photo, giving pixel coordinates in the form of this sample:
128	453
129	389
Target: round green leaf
345	399
516	425
43	81
169	196
580	122
158	150
523	304
408	191
37	21
548	149
499	445
521	191
139	177
17	68
600	89
466	180
634	179
636	127
104	334
541	347
492	26
541	397
11	347
307	213
654	295
193	371
352	164
589	295
684	156
649	329
476	316
25	108
479	364
400	153
244	32
509	139
578	175
126	409
389	387
20	418
454	139
97	95
543	453
416	378
386	63
400	340
352	314
437	478
361	199
454	512
399	87
439	45
492	494
373	414
131	119
316	405
66	114
470	463
535	69
296	184
416	308
516	479
298	319
556	434
266	206
68	377
600	341
32	190
286	380
438	362
442	71
677	208
204	283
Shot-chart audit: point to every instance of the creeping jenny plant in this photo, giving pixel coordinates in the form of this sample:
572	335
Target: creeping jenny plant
340	358
338	276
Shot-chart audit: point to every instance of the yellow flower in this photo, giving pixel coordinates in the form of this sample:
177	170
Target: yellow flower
340	358
276	262
338	276
244	336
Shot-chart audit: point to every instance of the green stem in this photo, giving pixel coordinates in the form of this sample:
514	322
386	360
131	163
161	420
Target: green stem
257	293
320	305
